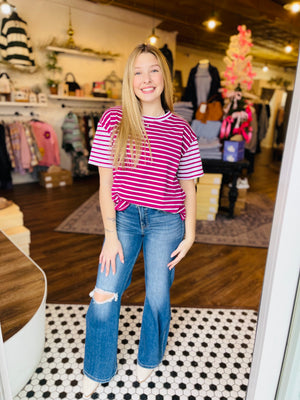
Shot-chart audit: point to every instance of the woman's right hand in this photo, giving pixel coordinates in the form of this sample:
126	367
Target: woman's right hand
111	248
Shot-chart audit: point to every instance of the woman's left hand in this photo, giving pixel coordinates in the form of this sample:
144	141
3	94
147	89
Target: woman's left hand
180	252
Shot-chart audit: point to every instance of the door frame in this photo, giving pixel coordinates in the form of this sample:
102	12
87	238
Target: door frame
282	268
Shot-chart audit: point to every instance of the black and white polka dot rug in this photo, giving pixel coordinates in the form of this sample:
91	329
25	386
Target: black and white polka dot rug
208	356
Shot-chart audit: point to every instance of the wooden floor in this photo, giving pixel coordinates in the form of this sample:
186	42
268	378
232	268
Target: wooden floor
209	276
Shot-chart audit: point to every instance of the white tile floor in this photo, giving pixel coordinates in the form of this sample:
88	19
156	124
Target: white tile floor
208	356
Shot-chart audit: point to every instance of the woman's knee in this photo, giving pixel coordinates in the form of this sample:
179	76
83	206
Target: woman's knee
101	296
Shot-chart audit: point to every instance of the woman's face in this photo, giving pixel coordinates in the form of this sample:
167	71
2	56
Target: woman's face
148	81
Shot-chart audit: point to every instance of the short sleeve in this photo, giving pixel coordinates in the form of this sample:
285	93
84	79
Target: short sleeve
190	166
101	152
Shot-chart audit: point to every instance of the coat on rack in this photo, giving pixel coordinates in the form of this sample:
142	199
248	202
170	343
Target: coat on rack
5	163
190	93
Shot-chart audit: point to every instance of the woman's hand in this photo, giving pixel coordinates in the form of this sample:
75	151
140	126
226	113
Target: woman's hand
188	187
180	252
110	250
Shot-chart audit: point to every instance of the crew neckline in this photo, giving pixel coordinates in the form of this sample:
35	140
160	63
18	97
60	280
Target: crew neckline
161	117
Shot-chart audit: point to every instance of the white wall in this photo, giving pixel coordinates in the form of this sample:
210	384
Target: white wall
96	26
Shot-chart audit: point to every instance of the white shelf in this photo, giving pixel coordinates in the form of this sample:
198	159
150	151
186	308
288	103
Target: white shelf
74	52
78	98
21	104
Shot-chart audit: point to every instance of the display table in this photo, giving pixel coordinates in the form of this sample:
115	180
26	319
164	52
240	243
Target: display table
231	170
22	317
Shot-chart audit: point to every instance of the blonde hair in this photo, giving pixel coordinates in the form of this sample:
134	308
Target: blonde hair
131	129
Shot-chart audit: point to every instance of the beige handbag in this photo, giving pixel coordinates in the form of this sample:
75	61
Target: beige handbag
5	84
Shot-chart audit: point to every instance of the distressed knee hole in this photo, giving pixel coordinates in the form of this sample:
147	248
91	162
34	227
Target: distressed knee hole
101	296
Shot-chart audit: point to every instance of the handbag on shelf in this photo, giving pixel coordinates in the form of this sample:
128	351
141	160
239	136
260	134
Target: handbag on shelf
5	84
72	84
212	110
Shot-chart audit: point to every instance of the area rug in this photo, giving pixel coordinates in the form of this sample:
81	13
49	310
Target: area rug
251	229
208	356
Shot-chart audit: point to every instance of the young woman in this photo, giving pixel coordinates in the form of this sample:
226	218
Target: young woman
148	159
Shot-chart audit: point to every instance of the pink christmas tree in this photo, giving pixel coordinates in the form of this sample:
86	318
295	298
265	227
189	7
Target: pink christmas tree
238	71
238	78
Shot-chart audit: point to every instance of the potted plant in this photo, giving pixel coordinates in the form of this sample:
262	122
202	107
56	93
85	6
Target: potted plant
54	70
53	85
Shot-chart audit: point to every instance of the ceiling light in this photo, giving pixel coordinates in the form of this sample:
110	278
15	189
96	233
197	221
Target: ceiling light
288	49
265	68
153	38
294	7
6	8
211	23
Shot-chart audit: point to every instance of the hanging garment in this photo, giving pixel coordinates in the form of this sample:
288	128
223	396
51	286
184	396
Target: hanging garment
169	57
25	150
79	165
264	121
91	131
72	138
251	146
35	154
5	164
15	138
9	146
15	45
47	142
73	143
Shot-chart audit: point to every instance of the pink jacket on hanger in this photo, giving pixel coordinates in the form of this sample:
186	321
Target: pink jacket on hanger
47	142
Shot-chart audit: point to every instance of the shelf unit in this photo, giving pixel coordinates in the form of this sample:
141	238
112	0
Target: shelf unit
74	52
66	101
21	104
79	98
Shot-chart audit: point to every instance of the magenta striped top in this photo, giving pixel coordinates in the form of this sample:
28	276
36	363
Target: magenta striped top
153	182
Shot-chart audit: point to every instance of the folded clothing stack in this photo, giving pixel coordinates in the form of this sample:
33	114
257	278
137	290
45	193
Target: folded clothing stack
210	149
185	110
11	224
208	138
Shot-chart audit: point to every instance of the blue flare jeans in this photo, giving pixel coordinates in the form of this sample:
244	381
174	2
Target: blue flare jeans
159	233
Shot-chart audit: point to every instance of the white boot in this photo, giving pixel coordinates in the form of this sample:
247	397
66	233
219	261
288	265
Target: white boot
88	387
143	373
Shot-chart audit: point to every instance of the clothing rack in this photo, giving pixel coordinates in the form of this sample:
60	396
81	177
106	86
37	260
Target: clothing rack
19	114
101	107
15	114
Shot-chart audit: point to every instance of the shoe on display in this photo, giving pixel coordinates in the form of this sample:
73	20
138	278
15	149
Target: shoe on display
88	387
242	183
143	373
